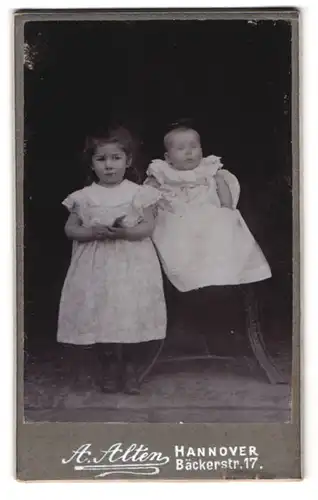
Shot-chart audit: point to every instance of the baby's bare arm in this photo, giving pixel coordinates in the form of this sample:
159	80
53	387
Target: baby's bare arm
223	192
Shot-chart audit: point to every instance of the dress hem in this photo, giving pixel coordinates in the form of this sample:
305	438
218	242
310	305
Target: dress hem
100	341
253	277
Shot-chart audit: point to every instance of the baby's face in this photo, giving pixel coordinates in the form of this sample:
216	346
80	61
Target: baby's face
184	150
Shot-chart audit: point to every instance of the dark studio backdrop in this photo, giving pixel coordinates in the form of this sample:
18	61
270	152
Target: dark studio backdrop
233	78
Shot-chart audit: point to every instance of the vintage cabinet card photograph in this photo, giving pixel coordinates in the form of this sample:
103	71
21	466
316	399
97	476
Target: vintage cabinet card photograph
158	267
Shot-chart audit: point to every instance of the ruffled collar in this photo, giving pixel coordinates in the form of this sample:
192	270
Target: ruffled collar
202	174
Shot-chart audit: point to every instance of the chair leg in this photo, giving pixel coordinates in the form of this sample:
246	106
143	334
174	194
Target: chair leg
256	339
146	370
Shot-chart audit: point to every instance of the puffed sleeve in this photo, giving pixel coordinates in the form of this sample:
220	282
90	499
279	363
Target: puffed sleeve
156	171
152	181
211	165
146	196
73	202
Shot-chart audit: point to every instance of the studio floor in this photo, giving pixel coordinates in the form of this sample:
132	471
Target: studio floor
205	390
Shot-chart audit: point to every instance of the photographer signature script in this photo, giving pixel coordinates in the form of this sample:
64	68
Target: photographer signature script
136	459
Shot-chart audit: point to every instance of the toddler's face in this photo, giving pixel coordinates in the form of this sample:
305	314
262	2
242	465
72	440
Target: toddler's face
184	150
109	162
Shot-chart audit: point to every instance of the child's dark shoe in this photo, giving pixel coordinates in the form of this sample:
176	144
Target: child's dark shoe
81	383
109	387
132	385
111	381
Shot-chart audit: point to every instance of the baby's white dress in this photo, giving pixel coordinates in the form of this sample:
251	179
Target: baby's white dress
199	242
113	290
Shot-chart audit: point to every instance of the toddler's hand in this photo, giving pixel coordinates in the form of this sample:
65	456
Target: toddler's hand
117	233
119	221
101	232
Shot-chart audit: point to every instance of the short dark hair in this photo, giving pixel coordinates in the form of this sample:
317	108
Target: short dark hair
120	136
180	125
175	130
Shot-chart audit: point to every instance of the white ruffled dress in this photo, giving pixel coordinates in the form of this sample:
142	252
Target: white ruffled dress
113	290
199	242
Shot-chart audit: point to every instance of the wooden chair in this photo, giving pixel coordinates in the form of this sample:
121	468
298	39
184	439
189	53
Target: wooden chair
254	339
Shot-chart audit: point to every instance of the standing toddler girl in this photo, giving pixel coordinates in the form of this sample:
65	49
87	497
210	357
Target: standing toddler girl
113	290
